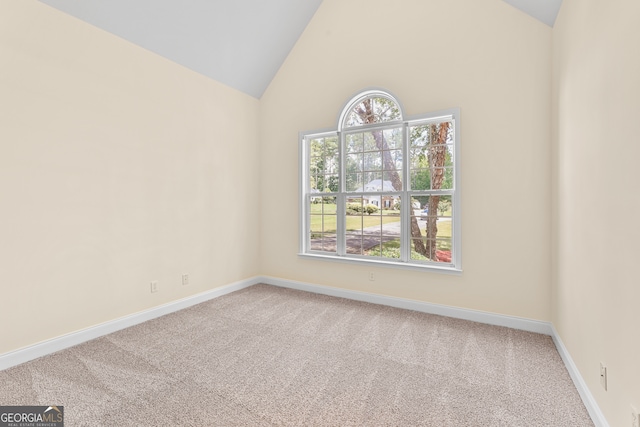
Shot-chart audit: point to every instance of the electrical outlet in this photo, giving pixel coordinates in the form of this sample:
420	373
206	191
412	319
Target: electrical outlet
372	277
603	376
154	286
185	279
635	417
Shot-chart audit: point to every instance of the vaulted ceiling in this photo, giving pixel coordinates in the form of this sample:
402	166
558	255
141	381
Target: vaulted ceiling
241	43
543	10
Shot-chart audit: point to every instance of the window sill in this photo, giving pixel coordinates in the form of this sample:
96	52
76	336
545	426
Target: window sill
448	269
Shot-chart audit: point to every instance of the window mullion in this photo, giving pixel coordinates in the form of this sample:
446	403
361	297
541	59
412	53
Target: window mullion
405	205
304	226
455	200
341	200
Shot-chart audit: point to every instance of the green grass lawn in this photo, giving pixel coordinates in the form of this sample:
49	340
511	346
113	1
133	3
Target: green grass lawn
354	222
389	250
444	229
392	249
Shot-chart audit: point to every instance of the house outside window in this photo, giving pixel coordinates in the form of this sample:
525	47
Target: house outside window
356	179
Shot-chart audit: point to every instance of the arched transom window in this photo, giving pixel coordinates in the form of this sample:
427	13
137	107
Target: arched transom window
369	108
381	188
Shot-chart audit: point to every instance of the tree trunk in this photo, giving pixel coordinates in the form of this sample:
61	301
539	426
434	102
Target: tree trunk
436	153
437	156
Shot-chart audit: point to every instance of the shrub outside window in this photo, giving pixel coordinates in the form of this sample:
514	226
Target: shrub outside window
381	188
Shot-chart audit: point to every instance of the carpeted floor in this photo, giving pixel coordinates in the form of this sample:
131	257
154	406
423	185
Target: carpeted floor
270	356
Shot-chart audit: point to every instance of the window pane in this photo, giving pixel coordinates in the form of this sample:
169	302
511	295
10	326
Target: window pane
431	179
316	165
418	159
322	225
331	163
372	181
331	145
313	183
393	138
354	143
431	134
354	162
392	181
354	182
390	244
391	223
359	236
316	147
420	179
431	156
433	219
373	226
324	164
419	250
370	141
384	139
392	159
444	208
441	250
330	183
448	178
372	161
354	225
375	109
440	178
317	183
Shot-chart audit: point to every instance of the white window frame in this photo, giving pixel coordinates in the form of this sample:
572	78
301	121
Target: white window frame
453	115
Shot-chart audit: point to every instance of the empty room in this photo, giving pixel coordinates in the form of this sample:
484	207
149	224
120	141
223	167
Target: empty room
319	212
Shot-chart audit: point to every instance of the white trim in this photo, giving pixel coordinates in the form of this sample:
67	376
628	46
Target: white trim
587	398
529	325
421	306
361	96
383	262
13	358
26	354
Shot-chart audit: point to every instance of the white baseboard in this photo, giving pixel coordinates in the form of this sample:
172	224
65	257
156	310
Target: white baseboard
25	354
424	307
545	328
587	398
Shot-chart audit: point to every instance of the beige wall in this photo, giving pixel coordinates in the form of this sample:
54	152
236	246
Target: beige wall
432	55
596	99
117	167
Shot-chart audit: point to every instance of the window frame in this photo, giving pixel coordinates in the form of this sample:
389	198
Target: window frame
341	196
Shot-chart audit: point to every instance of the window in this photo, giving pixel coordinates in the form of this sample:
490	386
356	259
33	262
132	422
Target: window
381	188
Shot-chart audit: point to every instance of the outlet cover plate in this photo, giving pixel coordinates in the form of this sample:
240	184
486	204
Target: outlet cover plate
603	376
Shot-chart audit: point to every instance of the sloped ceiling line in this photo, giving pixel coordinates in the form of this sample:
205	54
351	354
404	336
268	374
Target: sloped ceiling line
240	43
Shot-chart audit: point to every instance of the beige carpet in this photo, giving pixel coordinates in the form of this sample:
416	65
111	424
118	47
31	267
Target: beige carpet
269	356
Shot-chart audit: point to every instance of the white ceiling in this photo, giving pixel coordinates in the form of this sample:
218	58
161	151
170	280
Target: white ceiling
241	43
543	10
